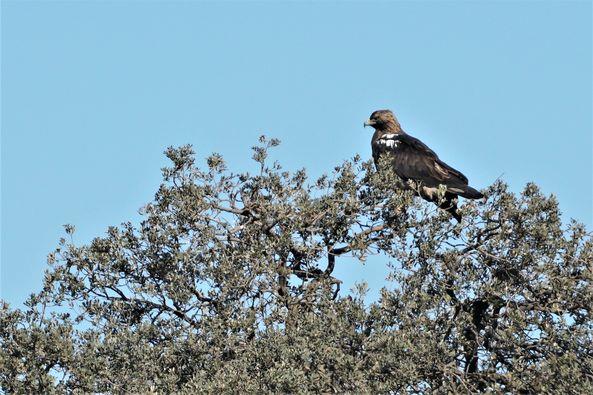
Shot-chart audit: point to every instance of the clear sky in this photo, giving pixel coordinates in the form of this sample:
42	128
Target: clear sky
93	92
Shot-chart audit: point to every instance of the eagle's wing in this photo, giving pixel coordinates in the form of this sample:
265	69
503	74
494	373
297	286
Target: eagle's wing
412	159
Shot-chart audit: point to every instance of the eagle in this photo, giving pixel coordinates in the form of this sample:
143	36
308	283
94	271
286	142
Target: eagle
418	166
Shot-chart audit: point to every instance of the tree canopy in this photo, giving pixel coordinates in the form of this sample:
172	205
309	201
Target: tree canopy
228	284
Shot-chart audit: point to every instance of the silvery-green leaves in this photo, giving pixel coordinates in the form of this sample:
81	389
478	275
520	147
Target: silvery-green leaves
228	284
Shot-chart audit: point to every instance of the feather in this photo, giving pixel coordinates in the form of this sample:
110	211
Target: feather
416	164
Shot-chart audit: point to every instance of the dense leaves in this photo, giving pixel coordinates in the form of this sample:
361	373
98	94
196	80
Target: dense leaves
227	285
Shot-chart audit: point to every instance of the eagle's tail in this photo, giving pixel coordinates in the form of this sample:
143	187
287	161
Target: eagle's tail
471	193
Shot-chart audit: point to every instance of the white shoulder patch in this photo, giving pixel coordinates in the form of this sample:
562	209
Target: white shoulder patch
388	140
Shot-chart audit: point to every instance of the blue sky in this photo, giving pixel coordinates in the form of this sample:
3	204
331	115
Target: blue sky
93	92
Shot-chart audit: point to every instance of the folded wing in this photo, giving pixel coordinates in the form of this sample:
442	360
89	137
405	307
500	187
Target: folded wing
413	160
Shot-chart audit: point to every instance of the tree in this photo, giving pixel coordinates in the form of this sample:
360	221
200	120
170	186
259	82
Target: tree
227	285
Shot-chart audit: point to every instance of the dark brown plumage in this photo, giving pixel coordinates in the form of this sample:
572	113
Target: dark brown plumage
416	164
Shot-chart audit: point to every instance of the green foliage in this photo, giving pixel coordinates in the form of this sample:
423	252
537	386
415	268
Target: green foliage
227	285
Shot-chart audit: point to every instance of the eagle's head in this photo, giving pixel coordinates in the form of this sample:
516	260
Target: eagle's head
383	120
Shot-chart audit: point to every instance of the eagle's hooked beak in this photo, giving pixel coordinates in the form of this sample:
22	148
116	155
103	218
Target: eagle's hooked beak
369	122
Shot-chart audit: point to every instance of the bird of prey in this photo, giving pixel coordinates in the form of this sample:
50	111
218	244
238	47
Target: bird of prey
417	165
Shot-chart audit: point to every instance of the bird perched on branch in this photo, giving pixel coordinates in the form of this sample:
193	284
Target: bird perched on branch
417	165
